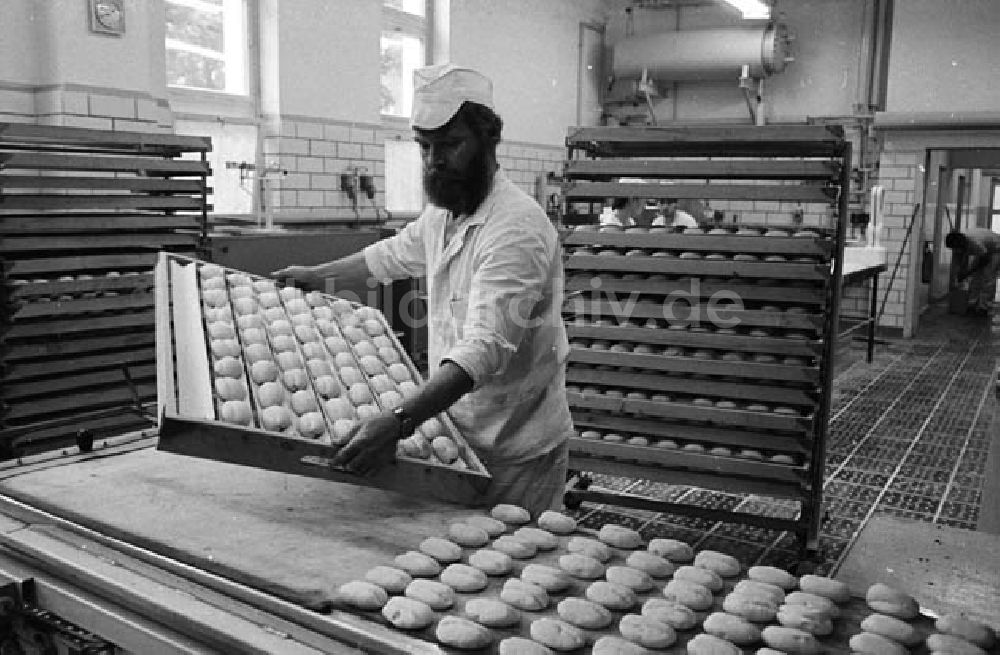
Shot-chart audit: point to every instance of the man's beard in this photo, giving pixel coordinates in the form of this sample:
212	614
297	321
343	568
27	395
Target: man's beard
460	192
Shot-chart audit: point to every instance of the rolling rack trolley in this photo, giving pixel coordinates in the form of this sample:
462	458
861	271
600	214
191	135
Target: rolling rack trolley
705	358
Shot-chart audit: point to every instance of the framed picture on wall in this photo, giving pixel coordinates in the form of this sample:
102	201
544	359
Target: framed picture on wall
107	16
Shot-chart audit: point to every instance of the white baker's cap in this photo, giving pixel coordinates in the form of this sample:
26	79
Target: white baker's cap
440	90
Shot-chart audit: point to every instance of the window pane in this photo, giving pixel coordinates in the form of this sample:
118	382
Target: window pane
415	7
194	26
194	70
206	43
401	55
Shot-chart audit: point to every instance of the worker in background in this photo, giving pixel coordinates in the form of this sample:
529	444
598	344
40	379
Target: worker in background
497	343
978	252
625	212
675	217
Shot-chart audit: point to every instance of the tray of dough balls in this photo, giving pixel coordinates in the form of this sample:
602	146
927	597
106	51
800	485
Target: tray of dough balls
499	582
270	376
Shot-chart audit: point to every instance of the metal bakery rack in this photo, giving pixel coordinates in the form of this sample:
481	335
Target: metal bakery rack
258	374
82	215
705	358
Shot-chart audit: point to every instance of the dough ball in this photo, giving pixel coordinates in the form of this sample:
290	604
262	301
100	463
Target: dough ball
524	595
408	388
230	389
493	527
339	408
671	549
237	412
407	613
388	355
732	628
311	425
239	279
391	579
441	549
581	566
445	449
464	578
704	577
364	348
283	343
437	595
371	365
289	360
244	306
341	306
289	293
417	564
342	429
619	536
306	333
297	306
510	514
522	646
725	565
467	535
557	634
241	292
706	644
614	645
654	565
207	271
327	328
304	401
514	547
359	393
281	326
315	299
584	613
589	547
228	367
492	613
264	371
295	379
225	348
254	335
416	446
691	594
677	615
491	562
646	631
548	578
629	577
268	299
215	297
373	327
270	394
337	345
355	334
381	383
221	330
432	428
773	575
327	386
462	633
257	352
209	284
314	350
276	418
542	539
274	314
350	375
399	372
556	522
319	368
390	399
611	595
225	314
322	314
366	412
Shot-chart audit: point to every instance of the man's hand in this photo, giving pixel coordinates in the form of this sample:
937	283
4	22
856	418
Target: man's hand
372	446
305	276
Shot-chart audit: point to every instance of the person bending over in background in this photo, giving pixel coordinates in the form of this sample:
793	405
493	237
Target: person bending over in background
626	212
979	253
672	215
497	343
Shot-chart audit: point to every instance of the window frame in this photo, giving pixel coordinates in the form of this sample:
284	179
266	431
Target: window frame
397	20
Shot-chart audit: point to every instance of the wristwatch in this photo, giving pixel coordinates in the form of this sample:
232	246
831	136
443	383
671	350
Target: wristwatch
407	425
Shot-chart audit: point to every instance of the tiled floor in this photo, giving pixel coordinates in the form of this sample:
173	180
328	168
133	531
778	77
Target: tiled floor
909	436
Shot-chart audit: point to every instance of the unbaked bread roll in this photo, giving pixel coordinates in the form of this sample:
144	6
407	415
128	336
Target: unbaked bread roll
464	578
691	594
584	613
672	549
654	565
726	566
866	643
891	627
542	539
548	578
952	645
811	620
491	562
790	640
646	631
677	615
773	575
492	613
467	535
581	566
440	549
706	644
437	595
820	585
614	645
524	595
611	595
813	601
516	548
756	588
632	578
557	634
751	607
462	633
522	646
887	600
589	547
731	628
408	613
510	514
391	579
556	522
971	630
619	536
363	595
493	527
704	577
417	564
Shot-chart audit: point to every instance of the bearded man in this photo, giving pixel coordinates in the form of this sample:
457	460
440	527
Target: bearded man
497	343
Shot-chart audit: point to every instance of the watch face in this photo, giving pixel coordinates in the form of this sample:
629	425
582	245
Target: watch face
109	16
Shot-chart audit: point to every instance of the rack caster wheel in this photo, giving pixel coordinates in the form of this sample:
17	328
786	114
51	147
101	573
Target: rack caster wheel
85	440
572	500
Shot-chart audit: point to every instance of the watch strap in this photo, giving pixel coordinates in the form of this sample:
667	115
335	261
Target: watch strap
407	424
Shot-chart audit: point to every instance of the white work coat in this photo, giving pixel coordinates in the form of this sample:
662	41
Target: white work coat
495	289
